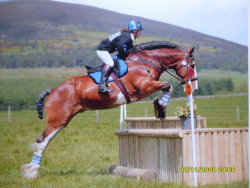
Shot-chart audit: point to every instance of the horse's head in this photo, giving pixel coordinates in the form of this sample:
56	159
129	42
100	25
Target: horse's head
166	55
185	68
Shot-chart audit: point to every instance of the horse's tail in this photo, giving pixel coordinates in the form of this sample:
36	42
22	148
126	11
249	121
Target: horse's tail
39	103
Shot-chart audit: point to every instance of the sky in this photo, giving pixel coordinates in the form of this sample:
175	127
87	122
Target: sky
226	19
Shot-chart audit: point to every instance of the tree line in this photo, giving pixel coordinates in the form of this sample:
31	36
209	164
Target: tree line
23	93
71	52
206	87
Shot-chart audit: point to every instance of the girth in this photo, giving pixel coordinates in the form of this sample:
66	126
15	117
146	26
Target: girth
119	83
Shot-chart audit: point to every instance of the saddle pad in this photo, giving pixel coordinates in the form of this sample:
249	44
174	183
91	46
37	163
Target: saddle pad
96	76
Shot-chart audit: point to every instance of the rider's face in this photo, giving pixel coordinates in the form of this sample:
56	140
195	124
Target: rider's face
138	34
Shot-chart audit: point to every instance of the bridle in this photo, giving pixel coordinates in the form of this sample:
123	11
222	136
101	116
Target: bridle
185	64
165	68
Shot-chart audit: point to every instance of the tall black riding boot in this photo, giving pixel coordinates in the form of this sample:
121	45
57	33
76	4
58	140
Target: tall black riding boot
106	71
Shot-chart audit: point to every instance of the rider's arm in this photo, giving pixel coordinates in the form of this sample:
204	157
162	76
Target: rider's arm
124	45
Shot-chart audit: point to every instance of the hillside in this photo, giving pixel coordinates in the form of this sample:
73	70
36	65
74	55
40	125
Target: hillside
42	33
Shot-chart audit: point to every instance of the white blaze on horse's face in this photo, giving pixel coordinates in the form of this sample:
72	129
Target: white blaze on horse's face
192	75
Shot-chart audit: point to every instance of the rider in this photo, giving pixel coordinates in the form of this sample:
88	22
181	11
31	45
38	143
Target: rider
122	42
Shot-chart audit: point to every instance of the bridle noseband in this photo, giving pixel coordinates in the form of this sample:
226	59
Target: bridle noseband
185	63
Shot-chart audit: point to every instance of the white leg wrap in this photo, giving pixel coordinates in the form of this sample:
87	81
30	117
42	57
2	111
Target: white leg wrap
30	170
165	100
36	159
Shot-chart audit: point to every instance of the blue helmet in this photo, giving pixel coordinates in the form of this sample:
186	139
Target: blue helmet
135	26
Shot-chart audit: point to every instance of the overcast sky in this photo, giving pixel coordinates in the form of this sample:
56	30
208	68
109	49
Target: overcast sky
225	19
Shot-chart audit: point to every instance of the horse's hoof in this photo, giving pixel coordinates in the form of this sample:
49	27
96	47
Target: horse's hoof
160	112
30	171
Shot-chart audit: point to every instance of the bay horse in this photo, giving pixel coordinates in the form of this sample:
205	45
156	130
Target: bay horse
78	94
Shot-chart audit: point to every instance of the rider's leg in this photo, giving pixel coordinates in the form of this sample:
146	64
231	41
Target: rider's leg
106	71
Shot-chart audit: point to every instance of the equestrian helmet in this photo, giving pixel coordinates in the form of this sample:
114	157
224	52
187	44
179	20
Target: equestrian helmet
135	26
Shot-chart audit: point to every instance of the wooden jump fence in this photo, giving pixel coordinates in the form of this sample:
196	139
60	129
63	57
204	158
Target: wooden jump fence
221	153
153	123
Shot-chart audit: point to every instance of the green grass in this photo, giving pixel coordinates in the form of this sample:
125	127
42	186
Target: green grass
21	87
240	80
80	154
220	111
40	73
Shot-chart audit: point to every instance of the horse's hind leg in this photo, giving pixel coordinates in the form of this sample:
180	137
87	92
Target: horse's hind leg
55	123
30	170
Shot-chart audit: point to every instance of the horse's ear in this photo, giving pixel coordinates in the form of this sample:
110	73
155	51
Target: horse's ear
190	51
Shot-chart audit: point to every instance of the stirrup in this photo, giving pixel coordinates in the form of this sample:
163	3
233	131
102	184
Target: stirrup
104	89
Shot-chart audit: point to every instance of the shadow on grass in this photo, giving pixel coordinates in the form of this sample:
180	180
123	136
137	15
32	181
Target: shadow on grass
92	171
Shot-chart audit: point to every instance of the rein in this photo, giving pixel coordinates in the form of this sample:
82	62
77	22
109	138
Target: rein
147	63
166	68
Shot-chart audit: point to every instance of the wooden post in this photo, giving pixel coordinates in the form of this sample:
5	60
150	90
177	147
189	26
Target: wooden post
97	116
121	116
9	114
125	114
125	111
146	111
238	113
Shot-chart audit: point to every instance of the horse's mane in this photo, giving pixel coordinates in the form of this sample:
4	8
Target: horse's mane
157	45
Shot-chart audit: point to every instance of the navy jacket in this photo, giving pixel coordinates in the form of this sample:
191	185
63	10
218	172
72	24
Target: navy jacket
120	41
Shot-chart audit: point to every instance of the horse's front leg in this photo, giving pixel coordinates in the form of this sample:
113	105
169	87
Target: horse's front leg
160	105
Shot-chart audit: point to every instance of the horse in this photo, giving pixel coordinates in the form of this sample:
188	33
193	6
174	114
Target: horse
79	94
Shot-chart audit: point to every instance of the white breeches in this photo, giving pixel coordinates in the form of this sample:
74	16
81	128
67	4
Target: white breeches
105	57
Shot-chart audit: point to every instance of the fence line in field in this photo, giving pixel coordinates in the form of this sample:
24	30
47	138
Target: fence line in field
7	113
99	116
203	97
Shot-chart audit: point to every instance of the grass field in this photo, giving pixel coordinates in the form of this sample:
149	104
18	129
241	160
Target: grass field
240	80
80	155
21	87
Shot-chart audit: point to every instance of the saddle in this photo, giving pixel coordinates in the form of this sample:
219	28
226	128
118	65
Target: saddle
120	69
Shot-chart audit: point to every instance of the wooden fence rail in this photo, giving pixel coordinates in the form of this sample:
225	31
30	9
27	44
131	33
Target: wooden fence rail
153	123
169	153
